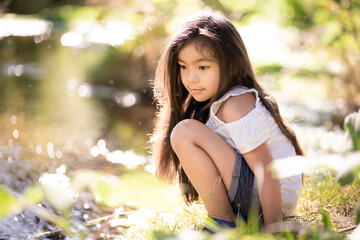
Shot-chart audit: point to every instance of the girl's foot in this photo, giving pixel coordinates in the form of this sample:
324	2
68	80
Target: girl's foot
219	224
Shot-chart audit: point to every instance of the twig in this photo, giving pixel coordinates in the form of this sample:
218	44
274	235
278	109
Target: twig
38	235
347	229
95	221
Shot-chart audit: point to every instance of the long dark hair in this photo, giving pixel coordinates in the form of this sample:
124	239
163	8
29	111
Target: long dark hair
213	35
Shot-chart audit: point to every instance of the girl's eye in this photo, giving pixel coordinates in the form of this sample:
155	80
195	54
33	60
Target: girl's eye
182	66
203	67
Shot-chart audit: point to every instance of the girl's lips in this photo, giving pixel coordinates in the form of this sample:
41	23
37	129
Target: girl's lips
195	90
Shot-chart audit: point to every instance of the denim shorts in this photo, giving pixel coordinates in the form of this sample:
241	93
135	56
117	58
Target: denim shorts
243	193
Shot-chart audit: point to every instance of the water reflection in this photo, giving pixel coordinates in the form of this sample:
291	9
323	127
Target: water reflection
112	33
14	25
62	104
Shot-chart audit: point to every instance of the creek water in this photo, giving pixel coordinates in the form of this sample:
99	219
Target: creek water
62	106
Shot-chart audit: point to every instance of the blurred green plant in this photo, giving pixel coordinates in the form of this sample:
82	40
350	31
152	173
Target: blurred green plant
332	26
8	203
138	188
352	124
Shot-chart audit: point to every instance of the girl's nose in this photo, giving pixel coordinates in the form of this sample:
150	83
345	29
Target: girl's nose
193	77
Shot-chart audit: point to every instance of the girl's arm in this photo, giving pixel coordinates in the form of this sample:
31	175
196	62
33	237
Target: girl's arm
268	187
257	159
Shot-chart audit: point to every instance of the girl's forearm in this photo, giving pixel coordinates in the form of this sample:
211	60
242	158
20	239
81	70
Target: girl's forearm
268	187
270	199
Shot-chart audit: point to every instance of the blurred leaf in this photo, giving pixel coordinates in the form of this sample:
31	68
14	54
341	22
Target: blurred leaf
211	224
139	188
308	73
332	32
357	211
8	203
349	176
233	6
147	190
160	235
84	12
322	15
291	166
268	69
34	194
352	124
326	218
303	13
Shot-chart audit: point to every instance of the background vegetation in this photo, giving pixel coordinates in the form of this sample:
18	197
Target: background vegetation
76	110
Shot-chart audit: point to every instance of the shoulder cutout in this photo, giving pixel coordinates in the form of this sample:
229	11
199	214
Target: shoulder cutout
236	107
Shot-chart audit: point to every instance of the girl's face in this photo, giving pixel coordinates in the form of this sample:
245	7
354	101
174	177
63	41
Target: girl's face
199	74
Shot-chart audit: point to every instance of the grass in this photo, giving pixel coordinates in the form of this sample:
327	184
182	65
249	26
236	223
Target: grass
321	196
321	193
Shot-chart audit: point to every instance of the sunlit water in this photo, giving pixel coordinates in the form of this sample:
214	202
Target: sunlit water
59	113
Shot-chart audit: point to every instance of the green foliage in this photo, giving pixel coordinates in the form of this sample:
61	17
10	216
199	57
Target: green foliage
270	69
160	235
350	176
34	194
335	25
241	6
357	211
8	203
140	188
326	219
352	124
302	12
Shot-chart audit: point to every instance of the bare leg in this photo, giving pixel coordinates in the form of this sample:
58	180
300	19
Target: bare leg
208	161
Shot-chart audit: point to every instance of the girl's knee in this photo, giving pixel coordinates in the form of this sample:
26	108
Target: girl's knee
183	132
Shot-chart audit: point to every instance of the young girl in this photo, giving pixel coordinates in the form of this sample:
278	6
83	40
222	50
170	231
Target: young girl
217	128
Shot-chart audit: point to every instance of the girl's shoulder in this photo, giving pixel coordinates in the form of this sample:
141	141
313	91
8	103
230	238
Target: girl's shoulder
237	91
236	107
234	92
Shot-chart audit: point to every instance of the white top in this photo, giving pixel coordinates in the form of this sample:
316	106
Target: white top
249	132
